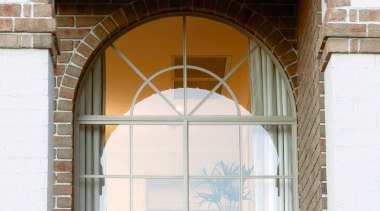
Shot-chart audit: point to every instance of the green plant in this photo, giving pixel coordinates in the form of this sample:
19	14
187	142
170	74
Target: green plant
224	193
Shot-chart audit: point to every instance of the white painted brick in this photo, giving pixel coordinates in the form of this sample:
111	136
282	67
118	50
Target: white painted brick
365	3
26	137
353	132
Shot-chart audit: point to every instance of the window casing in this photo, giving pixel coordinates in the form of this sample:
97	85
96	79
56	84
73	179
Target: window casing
188	148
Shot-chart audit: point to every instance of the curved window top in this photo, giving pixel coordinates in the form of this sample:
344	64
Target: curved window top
186	92
186	54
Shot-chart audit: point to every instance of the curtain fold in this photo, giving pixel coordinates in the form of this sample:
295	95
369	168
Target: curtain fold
272	150
92	139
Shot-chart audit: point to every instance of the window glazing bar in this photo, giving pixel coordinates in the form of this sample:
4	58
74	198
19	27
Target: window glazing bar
255	120
138	72
184	67
232	71
190	177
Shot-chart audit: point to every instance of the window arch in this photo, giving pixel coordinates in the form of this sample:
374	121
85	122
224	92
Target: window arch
185	113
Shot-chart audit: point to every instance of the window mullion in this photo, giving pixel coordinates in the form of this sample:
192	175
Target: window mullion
186	164
130	167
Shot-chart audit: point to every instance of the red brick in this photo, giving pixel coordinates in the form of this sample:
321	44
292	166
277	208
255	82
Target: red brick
72	33
282	47
64	153
100	33
10	10
273	39
65	21
130	14
374	30
338	3
63	166
78	60
62	141
74	10
69	82
6	24
288	58
84	50
62	189
64	57
26	10
43	10
110	26
66	93
66	45
92	41
35	25
9	40
119	17
336	15
265	29
64	202
369	15
255	22
342	29
87	21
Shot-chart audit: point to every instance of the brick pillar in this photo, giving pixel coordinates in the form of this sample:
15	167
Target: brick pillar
27	52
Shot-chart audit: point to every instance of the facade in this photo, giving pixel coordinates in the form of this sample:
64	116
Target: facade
325	51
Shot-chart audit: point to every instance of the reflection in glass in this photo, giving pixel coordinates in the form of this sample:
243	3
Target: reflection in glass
159	151
111	194
269	195
115	156
158	194
212	144
268	149
218	194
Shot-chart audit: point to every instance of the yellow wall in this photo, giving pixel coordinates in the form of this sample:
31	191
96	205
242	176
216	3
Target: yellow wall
151	47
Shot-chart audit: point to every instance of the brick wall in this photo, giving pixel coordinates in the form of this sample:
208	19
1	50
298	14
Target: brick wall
85	28
27	24
311	137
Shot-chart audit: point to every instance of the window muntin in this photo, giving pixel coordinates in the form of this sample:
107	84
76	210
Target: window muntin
266	143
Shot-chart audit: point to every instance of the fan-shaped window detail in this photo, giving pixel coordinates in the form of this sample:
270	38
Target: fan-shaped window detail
185	113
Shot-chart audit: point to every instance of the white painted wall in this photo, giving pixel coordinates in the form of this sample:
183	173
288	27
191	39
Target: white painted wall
26	85
365	3
352	96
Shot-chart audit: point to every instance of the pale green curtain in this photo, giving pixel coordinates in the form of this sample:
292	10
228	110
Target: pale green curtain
271	98
91	139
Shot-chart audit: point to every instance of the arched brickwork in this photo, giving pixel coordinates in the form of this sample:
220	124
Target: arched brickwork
131	15
90	42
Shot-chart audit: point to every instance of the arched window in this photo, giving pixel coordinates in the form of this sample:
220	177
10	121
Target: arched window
185	113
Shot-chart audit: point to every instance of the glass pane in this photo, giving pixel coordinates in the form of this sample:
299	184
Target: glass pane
267	150
268	194
121	84
212	146
199	88
211	40
103	150
158	149
158	194
110	194
239	82
214	194
152	46
152	103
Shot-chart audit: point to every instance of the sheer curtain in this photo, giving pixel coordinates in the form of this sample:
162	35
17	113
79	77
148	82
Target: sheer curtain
91	140
270	146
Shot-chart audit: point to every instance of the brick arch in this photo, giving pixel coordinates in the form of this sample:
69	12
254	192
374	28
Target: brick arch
135	13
